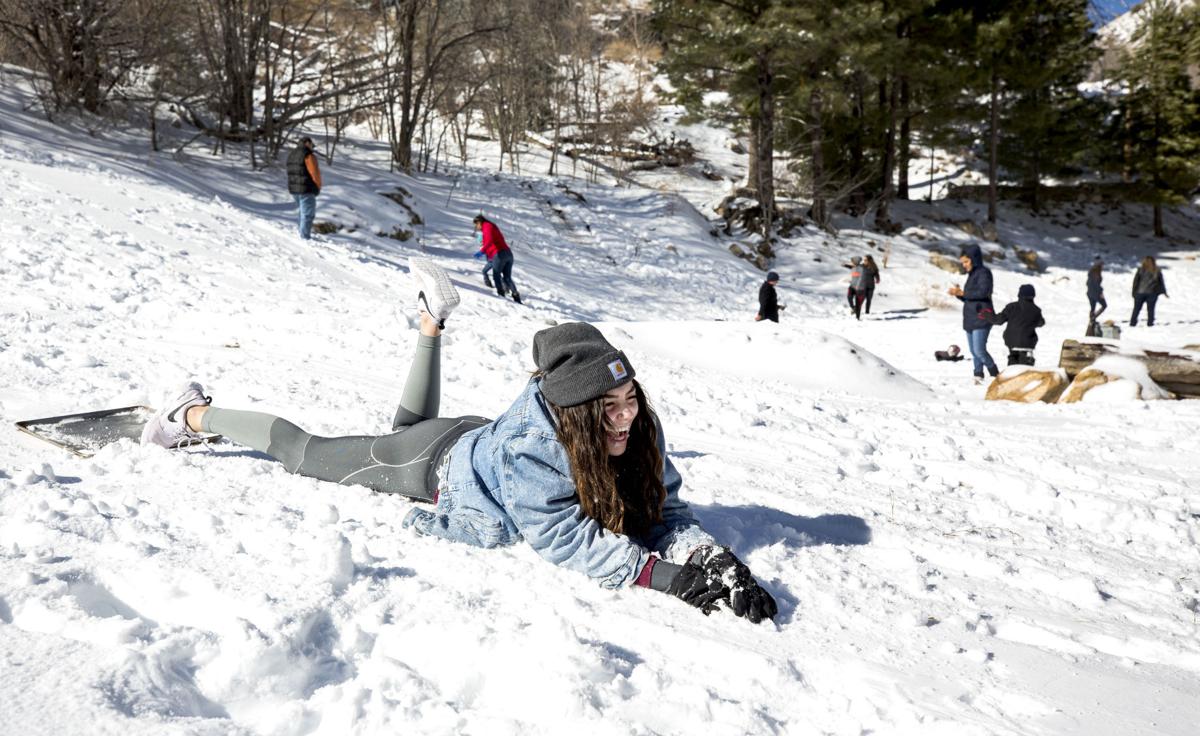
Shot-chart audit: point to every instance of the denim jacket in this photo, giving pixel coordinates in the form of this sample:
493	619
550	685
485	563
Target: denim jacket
511	480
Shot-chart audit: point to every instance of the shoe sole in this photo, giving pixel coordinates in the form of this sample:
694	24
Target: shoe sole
435	283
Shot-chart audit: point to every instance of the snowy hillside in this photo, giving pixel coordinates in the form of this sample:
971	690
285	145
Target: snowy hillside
942	565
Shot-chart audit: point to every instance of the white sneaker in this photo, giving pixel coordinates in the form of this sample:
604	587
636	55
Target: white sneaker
437	296
168	428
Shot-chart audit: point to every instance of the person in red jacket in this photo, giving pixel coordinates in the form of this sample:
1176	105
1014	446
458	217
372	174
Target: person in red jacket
497	251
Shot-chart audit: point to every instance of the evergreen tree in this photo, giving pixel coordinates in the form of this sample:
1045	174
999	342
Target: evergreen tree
1048	123
734	47
1158	120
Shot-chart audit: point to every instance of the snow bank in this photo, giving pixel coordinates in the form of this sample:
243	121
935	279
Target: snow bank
808	359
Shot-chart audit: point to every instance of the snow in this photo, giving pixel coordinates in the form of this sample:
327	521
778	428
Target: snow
943	565
1134	378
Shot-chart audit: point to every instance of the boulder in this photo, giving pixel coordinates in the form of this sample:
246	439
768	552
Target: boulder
1027	385
970	227
1029	258
946	263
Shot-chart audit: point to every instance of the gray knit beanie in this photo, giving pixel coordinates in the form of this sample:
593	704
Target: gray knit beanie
578	364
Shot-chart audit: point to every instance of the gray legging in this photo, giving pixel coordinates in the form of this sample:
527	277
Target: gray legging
403	462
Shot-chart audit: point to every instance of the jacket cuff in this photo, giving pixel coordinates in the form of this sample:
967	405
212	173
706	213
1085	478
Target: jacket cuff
643	578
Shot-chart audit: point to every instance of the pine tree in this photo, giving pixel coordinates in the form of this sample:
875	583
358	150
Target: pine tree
733	47
1048	124
1158	118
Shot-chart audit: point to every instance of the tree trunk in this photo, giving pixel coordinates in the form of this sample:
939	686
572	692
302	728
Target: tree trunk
905	140
887	104
766	142
993	143
857	196
402	148
1179	374
820	213
752	155
1159	230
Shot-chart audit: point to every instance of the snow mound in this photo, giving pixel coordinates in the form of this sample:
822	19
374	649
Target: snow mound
808	359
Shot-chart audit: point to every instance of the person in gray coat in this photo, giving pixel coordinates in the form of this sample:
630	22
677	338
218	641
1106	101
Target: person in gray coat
1147	285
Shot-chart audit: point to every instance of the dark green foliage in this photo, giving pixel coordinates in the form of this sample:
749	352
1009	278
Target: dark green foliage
1157	119
857	86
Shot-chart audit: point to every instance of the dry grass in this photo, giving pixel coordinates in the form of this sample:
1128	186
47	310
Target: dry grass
627	52
934	296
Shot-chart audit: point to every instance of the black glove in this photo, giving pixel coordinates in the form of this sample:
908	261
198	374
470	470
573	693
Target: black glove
696	587
745	596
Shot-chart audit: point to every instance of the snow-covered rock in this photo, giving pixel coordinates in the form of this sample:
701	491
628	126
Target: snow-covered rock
1028	385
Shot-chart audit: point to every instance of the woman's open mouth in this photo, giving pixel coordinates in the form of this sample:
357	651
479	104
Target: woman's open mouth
618	435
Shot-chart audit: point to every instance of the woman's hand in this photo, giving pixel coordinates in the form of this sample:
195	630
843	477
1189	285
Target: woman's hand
746	596
713	575
696	587
955	291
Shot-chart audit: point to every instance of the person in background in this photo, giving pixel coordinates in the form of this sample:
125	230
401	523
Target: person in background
1095	291
768	300
304	182
1023	318
493	245
1147	285
577	467
854	266
976	296
860	276
872	277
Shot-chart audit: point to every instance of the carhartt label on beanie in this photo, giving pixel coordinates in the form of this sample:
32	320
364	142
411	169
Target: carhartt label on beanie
578	364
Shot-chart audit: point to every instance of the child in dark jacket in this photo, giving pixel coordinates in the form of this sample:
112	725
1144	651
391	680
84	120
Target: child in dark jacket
1023	318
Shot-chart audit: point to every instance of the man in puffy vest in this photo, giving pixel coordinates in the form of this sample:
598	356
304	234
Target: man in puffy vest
304	182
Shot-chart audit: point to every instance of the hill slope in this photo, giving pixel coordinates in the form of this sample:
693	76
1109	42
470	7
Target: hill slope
942	565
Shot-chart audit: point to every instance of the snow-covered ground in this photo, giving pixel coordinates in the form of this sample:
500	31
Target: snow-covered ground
943	565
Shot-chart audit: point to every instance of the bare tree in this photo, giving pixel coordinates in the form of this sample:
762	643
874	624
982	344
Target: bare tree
83	48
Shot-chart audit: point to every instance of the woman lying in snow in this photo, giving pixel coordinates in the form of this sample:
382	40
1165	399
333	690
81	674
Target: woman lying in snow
577	466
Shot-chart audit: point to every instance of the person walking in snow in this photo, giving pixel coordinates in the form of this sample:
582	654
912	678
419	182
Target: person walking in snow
1023	318
768	300
1095	290
860	277
855	267
577	467
1148	284
493	246
871	274
976	296
304	182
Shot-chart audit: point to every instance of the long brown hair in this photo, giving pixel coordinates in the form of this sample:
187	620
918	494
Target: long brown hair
1149	265
623	494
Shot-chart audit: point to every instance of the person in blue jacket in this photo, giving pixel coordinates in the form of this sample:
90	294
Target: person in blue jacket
577	467
976	296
